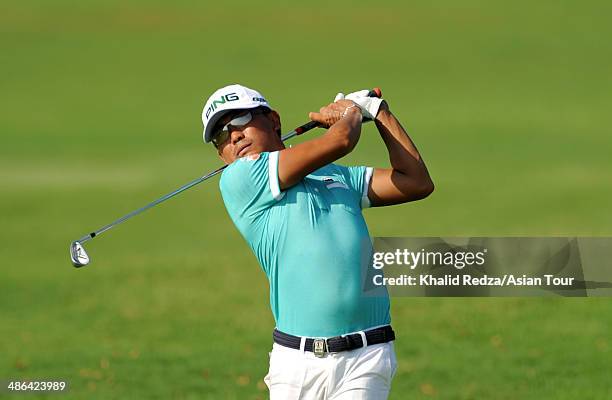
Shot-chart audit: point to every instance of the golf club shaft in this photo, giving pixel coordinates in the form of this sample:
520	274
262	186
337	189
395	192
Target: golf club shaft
297	131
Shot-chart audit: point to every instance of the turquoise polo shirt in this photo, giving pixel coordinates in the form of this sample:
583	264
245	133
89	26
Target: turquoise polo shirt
311	241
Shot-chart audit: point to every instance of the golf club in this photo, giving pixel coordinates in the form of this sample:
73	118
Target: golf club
79	256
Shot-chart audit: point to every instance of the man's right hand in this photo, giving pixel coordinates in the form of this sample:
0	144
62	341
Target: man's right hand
334	112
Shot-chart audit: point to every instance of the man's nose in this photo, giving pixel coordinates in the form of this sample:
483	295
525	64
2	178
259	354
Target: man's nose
236	135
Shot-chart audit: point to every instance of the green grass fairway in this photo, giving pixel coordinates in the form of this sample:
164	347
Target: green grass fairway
100	105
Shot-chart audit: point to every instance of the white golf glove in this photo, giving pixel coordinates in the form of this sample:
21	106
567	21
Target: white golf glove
369	105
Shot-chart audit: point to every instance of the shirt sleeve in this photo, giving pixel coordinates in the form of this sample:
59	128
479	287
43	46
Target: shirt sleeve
250	185
358	178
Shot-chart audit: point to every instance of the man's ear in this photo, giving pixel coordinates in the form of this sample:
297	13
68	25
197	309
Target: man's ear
276	121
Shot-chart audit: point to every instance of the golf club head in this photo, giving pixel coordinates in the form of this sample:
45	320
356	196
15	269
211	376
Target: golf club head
78	255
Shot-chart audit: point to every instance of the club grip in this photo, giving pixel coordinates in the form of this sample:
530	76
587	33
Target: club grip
306	127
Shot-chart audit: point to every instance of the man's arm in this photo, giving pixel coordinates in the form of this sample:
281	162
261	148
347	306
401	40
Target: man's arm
343	118
408	178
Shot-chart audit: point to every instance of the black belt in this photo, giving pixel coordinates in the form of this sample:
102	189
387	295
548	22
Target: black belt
335	344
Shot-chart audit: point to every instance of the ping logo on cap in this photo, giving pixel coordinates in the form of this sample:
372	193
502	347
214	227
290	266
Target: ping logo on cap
225	98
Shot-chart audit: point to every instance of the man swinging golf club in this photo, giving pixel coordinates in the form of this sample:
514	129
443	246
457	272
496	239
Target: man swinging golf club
302	217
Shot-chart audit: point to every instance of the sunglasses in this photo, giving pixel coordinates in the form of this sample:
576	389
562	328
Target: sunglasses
239	121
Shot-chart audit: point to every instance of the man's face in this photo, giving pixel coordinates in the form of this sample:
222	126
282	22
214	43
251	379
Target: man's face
259	134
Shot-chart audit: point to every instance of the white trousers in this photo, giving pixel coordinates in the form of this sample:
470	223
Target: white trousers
360	374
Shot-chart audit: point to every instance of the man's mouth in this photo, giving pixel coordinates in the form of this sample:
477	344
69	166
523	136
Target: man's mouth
243	149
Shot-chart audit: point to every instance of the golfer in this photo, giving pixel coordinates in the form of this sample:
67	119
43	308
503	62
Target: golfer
301	214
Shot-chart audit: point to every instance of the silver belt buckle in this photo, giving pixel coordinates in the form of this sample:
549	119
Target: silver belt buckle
319	347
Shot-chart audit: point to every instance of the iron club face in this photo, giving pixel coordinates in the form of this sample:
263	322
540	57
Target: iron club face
78	255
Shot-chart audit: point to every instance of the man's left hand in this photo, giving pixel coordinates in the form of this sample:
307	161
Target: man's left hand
369	105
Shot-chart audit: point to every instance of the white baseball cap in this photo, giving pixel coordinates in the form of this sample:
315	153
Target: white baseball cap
228	98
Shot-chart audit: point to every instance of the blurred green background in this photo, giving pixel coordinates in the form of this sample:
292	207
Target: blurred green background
100	105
